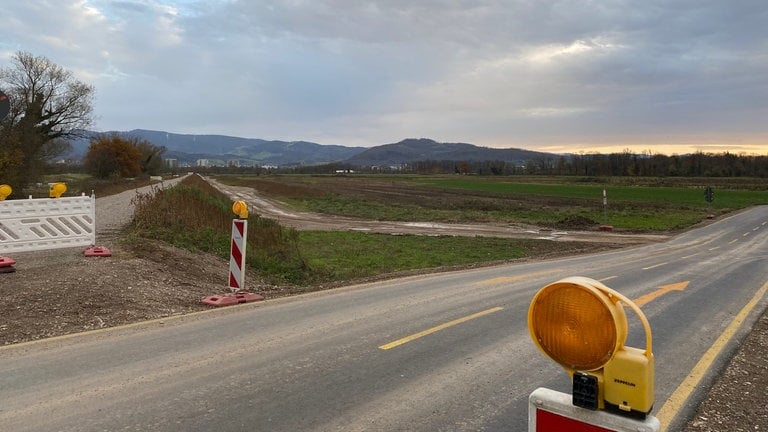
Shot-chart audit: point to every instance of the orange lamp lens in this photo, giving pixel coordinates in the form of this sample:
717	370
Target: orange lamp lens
577	326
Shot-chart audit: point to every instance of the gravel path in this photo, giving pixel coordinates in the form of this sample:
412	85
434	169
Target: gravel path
114	212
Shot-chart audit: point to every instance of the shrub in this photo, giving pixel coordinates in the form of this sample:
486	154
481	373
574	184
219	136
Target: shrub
196	216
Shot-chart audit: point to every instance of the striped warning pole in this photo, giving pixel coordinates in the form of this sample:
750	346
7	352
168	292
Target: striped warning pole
237	255
236	263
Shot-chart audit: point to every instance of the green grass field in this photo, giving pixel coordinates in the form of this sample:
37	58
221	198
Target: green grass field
196	216
646	206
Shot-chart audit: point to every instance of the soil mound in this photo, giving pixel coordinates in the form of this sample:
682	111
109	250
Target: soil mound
576	222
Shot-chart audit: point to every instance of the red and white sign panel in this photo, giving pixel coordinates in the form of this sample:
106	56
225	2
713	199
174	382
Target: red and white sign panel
548	421
553	411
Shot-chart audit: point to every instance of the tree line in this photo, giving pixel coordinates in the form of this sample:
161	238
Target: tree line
697	164
625	164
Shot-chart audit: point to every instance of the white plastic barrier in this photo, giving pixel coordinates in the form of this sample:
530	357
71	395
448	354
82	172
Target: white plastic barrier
47	223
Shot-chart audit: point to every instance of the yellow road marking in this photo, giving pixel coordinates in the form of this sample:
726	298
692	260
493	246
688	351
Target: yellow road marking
505	279
654	266
733	241
438	328
688	256
608	278
714	248
684	390
660	292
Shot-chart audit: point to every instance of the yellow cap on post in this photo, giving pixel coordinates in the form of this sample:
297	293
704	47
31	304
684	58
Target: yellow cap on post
57	190
240	208
5	190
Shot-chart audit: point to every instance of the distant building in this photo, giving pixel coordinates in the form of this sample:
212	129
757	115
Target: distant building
172	163
205	163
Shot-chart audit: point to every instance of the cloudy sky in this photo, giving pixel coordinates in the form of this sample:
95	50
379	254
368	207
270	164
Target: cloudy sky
670	76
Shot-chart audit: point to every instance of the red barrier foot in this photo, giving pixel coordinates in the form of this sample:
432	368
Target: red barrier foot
97	251
232	299
6	265
606	228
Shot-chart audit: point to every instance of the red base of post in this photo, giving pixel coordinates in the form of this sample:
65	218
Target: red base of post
97	251
6	265
232	299
606	228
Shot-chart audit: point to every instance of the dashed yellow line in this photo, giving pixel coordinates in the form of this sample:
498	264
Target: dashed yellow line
507	279
418	335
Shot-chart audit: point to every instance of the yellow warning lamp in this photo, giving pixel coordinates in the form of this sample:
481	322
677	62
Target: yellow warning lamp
5	190
580	323
56	190
240	208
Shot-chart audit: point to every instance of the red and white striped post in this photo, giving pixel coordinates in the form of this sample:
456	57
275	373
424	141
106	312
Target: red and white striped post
237	255
236	263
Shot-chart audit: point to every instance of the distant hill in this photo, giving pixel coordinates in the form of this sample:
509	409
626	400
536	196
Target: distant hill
190	148
412	150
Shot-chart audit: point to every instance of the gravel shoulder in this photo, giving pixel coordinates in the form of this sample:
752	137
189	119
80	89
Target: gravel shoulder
58	292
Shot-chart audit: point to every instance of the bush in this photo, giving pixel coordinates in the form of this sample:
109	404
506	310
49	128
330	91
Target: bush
196	216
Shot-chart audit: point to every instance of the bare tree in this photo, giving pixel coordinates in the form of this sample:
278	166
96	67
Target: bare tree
48	105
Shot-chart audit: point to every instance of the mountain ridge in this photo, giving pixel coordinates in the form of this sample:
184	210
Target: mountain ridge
188	148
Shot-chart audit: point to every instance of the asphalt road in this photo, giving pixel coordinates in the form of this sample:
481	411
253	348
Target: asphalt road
317	362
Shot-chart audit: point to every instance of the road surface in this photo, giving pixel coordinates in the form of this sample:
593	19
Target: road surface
448	351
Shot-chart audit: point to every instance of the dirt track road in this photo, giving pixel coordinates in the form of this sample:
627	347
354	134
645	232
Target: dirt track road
271	209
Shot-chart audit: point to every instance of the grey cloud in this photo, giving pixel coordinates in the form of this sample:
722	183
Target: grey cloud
484	71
